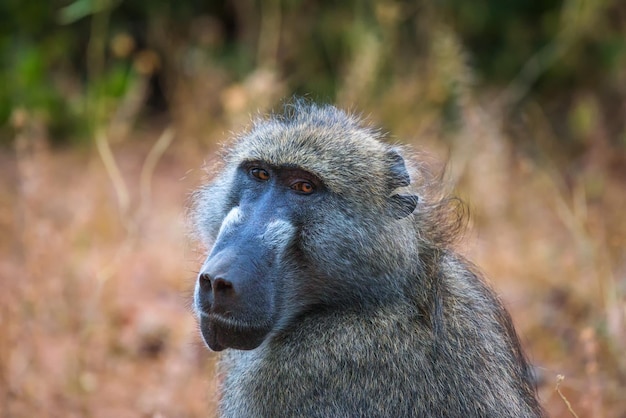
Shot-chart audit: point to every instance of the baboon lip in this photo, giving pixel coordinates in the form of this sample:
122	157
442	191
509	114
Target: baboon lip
211	339
221	332
233	323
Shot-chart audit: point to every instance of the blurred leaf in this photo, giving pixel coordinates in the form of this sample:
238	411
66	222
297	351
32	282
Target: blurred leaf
82	8
583	117
117	81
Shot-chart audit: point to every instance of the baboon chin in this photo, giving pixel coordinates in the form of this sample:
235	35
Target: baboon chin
332	287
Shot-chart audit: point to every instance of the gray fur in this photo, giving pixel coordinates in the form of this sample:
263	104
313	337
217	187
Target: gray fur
373	313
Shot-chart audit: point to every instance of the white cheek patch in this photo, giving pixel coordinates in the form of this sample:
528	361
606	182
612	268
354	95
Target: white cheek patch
233	218
196	299
278	234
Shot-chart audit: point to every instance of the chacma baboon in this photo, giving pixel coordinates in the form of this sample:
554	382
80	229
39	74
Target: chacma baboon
333	288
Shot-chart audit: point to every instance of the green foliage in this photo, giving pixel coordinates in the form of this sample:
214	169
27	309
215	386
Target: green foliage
49	69
503	35
45	69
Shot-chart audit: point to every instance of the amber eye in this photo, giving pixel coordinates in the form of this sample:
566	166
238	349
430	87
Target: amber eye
303	187
260	174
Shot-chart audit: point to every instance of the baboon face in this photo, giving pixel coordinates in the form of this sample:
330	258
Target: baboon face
237	293
294	220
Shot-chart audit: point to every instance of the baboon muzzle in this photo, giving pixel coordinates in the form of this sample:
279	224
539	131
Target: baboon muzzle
234	290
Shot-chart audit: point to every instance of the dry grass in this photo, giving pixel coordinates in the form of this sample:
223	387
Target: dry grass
95	317
95	309
553	244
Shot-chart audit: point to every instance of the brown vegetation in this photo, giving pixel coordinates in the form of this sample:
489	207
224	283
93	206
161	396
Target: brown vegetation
95	296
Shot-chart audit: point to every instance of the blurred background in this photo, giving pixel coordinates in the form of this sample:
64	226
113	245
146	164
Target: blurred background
109	109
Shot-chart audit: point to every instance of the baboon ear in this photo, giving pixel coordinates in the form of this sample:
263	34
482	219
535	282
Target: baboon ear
402	205
398	174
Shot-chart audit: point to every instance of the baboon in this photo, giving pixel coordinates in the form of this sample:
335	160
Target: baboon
332	285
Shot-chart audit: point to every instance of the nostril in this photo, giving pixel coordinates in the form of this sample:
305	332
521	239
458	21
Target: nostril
222	285
205	282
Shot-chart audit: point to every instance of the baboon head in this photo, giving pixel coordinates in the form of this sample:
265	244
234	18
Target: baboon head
305	214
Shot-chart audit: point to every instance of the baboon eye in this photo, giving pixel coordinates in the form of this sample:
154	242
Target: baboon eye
303	187
260	173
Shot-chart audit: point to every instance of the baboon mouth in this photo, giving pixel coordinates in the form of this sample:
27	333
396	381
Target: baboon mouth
221	332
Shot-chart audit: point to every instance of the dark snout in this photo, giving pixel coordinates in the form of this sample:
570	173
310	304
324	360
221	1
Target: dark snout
215	284
234	294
